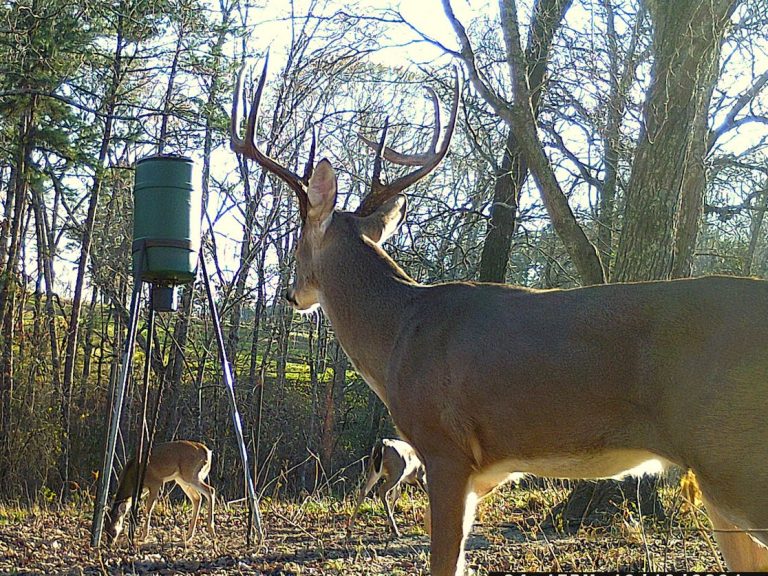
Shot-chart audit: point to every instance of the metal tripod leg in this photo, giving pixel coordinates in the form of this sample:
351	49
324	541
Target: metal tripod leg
253	504
141	453
117	406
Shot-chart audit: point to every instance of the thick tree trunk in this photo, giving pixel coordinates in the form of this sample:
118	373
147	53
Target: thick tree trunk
666	186
694	180
509	180
593	503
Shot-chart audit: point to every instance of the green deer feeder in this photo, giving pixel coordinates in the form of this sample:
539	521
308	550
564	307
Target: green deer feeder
166	226
166	243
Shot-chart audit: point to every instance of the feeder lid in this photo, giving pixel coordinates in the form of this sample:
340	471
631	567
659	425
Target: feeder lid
176	157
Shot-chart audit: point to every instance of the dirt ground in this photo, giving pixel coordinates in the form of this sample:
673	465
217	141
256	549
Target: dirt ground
308	537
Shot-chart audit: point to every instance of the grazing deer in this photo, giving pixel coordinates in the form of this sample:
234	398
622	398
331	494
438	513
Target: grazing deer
397	462
488	380
185	462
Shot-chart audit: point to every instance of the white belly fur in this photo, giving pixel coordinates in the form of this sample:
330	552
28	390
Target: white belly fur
612	464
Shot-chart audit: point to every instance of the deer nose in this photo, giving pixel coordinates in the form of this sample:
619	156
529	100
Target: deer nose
290	296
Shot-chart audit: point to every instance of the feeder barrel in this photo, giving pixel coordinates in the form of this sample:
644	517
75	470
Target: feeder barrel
166	220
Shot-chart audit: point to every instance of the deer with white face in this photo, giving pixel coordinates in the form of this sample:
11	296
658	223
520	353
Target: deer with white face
397	463
486	380
185	462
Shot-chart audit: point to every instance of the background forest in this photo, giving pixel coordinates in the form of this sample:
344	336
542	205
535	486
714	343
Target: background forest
598	141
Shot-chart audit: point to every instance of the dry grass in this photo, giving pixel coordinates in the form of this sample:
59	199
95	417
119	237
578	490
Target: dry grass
308	537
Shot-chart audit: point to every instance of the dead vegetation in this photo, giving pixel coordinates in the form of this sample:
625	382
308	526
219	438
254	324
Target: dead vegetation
308	537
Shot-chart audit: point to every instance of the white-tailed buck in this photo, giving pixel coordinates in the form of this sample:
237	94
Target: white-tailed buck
486	380
185	462
397	463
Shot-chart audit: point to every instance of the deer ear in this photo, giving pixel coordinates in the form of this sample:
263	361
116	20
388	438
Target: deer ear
386	220
321	192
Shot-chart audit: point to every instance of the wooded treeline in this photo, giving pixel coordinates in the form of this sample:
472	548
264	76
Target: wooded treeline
599	140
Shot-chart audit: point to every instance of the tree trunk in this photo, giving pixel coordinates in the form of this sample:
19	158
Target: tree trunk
521	119
620	81
248	248
109	105
755	230
175	371
593	503
181	326
334	394
666	186
9	286
513	171
45	242
509	180
5	221
256	375
168	100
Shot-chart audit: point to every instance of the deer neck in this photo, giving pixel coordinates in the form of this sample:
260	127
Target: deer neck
366	295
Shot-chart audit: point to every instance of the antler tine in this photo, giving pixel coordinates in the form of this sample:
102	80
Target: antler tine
436	106
380	193
235	142
246	146
413	159
309	167
376	183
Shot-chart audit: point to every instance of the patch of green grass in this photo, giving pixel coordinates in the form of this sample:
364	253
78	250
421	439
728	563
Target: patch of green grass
10	515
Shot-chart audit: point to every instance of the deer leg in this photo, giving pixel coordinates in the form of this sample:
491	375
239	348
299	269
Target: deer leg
452	509
373	477
210	494
390	494
152	495
742	553
195	498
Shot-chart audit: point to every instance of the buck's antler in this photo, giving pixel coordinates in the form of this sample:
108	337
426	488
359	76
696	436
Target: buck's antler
427	161
247	145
